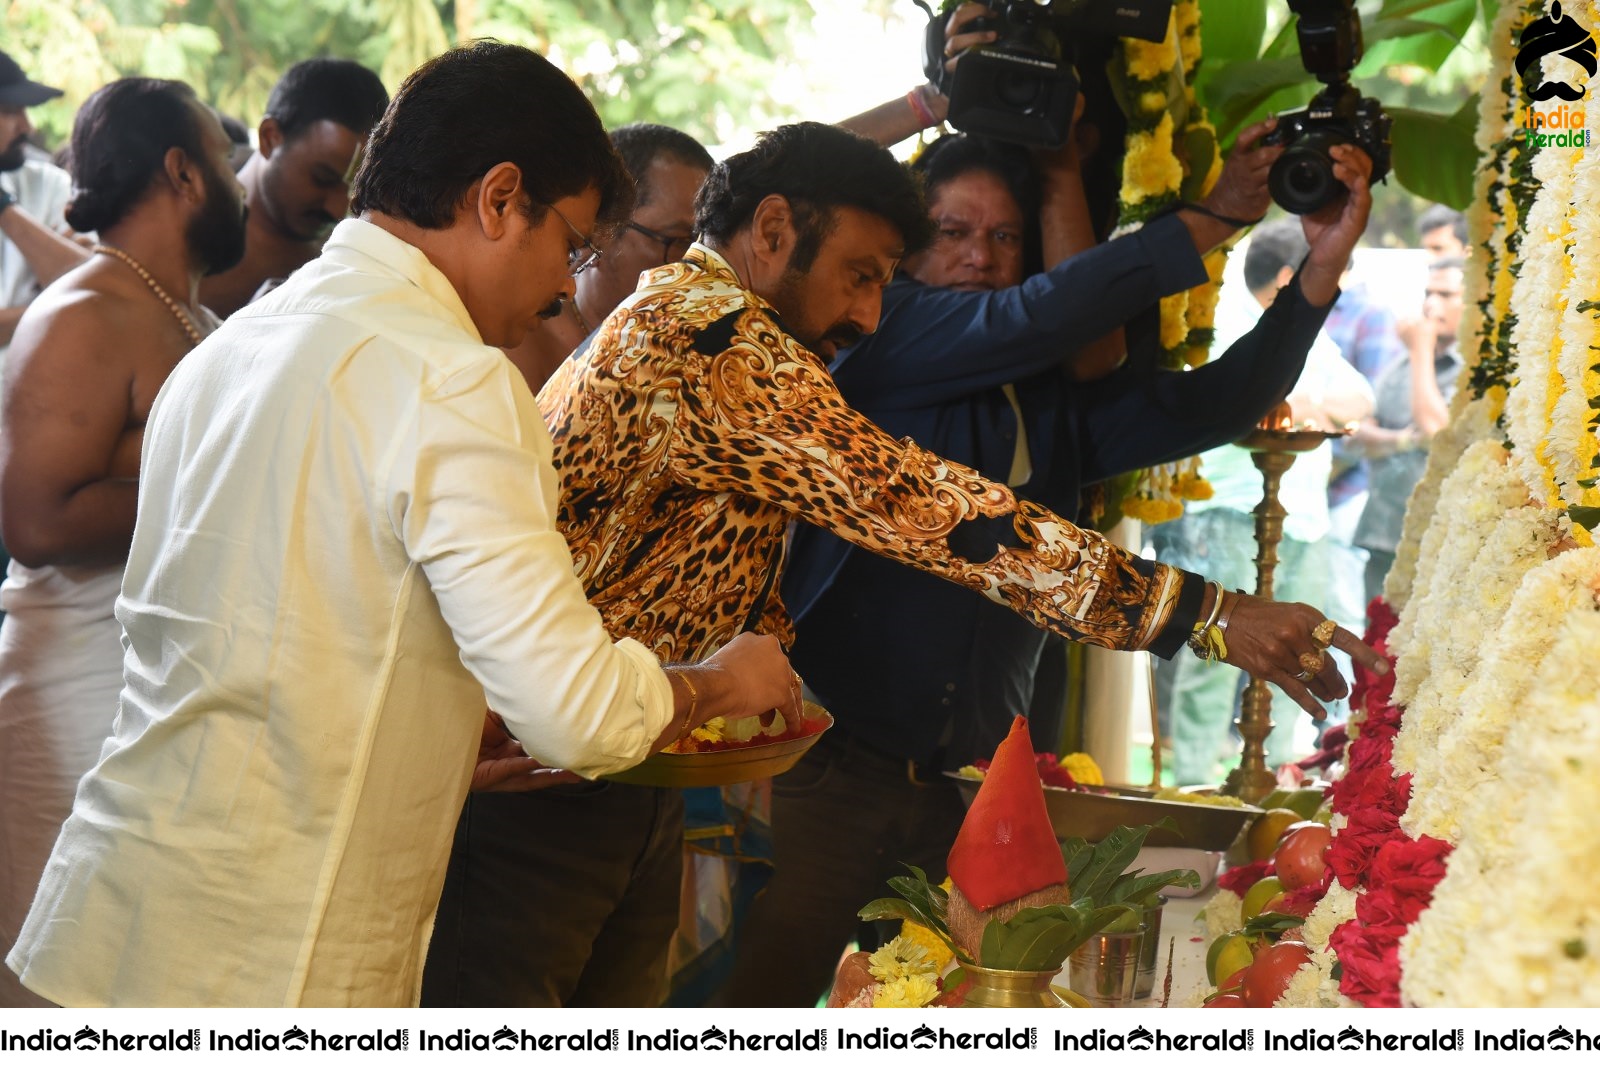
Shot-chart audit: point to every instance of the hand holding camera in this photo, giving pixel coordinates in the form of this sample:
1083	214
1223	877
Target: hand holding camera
1333	229
1304	179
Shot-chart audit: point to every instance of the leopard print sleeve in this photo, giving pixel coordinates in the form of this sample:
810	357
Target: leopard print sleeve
759	415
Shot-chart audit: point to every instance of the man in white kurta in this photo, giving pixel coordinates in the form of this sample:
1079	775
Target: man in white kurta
341	488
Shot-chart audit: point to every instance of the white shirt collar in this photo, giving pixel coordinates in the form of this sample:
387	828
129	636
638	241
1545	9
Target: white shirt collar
369	247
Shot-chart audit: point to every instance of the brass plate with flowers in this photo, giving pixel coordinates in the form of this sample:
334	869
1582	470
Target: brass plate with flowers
726	763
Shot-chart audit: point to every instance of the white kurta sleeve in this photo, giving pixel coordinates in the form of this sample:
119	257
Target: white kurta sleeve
473	500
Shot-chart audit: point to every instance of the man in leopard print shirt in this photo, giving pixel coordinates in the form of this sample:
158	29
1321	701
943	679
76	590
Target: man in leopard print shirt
698	424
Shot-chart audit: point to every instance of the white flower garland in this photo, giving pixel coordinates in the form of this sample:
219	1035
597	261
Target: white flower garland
1536	301
1314	987
1471	420
1224	913
1480	490
1571	449
1433	743
1515	920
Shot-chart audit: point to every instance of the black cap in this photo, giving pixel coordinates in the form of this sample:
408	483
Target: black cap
16	91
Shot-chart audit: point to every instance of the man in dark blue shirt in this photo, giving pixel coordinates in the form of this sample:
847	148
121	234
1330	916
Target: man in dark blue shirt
920	675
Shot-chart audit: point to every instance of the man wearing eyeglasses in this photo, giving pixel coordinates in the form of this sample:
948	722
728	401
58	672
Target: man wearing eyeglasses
345	546
668	167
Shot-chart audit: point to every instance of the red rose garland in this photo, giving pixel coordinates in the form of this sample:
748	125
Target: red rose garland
1397	873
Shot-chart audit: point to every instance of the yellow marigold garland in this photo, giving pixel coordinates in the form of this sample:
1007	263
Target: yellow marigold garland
1163	115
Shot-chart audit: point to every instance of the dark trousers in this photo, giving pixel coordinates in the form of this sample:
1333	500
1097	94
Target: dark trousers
843	821
564	896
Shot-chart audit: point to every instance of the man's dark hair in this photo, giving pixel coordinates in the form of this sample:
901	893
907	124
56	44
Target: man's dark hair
958	154
1448	263
1443	215
1273	247
464	112
953	155
642	143
120	141
817	168
336	90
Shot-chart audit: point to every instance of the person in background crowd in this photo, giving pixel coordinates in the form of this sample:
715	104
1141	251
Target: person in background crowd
1413	404
1443	233
343	548
151	177
34	250
1217	535
240	137
980	365
1368	337
667	167
297	183
699	422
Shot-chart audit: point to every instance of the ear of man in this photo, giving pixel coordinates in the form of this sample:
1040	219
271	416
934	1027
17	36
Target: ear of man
773	235
269	137
185	175
496	198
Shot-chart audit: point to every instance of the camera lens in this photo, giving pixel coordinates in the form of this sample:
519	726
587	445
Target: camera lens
1019	91
1302	180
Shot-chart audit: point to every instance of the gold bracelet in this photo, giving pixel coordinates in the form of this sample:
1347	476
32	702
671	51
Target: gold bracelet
1207	641
694	699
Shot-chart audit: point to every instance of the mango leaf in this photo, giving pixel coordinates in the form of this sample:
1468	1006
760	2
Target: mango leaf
1271	924
1077	853
920	902
1434	154
1040	939
1091	873
1131	889
889	908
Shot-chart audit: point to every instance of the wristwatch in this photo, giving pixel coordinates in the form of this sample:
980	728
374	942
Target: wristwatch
6	200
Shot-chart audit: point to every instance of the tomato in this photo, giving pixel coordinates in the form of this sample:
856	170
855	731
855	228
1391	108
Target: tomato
1267	979
1299	856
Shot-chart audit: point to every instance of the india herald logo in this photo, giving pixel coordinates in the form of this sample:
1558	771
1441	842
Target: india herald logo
1555	34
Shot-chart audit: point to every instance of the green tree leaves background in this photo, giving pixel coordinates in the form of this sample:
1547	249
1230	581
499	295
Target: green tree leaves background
705	66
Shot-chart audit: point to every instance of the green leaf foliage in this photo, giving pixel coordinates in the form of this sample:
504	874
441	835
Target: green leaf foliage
1040	939
1434	154
704	66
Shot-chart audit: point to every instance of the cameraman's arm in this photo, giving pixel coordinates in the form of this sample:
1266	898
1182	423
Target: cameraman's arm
1065	230
925	106
893	121
935	344
1137	418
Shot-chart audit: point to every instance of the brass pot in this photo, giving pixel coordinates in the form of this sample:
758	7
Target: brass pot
996	988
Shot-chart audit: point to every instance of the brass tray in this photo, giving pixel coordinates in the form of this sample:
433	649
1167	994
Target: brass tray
1091	816
725	767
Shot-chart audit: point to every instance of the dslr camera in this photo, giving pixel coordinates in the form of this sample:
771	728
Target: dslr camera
1302	179
1022	86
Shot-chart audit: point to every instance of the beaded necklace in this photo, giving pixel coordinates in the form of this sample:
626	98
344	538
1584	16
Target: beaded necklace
155	287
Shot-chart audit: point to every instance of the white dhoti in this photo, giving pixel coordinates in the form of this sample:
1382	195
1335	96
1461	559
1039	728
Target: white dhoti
60	674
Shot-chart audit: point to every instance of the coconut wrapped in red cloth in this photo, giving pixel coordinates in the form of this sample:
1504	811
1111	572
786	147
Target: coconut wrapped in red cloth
1006	857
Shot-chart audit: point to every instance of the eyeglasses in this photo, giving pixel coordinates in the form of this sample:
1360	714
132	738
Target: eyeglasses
672	246
585	255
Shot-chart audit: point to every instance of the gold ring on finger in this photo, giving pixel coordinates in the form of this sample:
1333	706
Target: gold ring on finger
1311	663
1322	633
1304	676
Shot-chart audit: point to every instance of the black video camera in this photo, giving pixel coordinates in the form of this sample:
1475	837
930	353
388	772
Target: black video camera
1022	87
1302	179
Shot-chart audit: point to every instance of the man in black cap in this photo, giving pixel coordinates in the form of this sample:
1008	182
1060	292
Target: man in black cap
33	196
